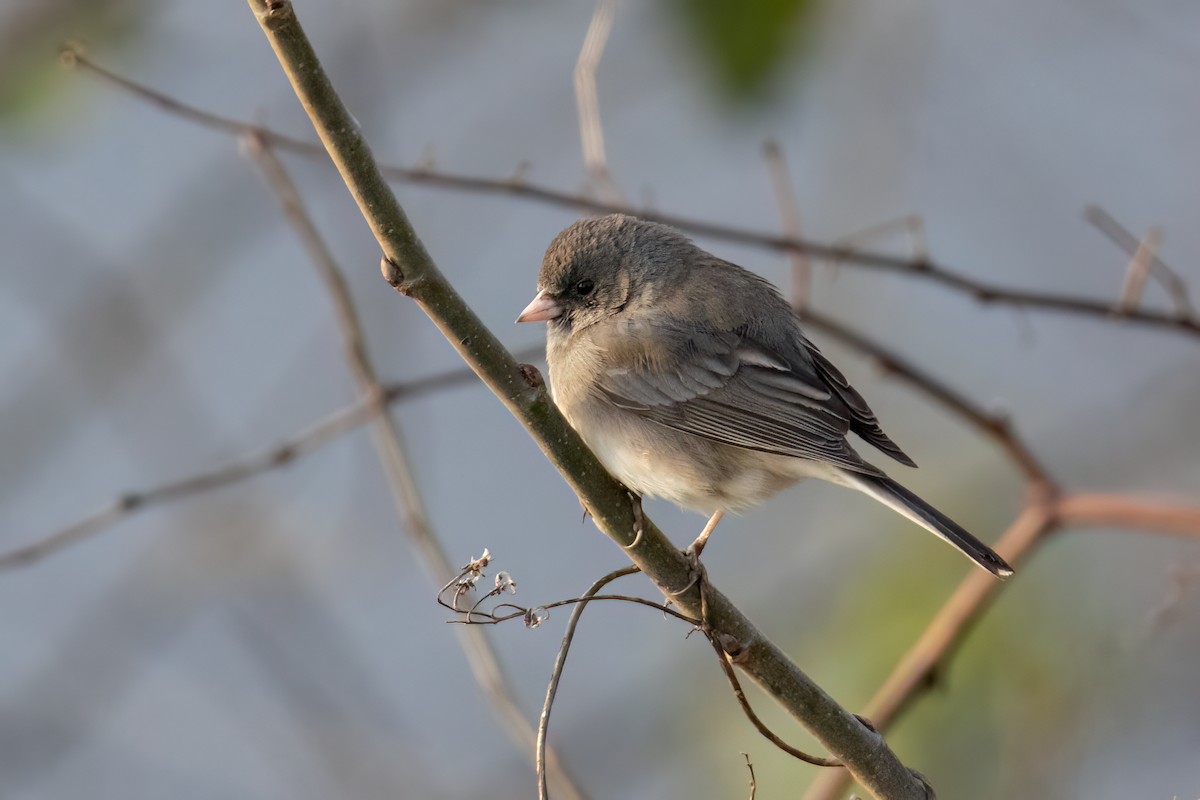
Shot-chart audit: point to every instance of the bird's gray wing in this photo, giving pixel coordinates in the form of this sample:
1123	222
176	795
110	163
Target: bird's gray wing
730	387
862	418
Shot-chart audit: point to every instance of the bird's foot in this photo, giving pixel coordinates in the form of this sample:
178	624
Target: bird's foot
638	520
697	547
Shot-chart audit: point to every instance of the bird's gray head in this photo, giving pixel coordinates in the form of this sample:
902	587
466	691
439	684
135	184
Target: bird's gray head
598	267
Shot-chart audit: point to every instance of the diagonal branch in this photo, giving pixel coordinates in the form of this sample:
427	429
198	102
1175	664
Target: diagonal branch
408	267
1180	321
1119	235
307	441
920	668
397	466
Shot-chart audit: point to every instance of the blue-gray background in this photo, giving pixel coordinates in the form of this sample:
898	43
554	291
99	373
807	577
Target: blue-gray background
278	639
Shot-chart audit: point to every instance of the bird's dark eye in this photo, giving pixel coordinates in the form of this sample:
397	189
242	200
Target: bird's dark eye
584	287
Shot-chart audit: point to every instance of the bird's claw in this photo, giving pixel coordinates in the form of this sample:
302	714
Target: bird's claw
639	520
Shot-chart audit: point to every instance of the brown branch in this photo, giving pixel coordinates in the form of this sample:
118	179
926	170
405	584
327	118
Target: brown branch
1128	512
1140	264
759	725
920	269
921	667
789	217
1122	237
397	466
753	783
591	131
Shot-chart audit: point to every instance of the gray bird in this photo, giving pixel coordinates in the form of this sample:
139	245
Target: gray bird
691	380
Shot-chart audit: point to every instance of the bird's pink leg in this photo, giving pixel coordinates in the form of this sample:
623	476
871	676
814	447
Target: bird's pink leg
697	546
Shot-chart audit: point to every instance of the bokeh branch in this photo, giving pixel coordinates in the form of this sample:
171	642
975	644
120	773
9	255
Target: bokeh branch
125	505
1180	320
292	449
591	132
408	267
393	457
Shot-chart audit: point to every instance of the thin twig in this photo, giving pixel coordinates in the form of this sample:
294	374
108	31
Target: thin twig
789	218
591	131
750	768
473	616
770	735
292	449
1138	270
912	224
921	269
1122	237
556	674
389	444
126	505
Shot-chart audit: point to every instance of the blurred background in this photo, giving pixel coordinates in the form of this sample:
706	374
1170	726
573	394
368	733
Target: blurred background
279	638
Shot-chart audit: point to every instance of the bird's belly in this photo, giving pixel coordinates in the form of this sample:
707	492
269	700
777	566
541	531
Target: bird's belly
688	470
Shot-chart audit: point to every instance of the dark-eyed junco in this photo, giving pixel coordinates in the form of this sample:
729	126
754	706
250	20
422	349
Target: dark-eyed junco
691	380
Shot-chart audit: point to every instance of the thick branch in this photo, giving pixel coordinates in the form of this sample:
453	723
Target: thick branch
409	268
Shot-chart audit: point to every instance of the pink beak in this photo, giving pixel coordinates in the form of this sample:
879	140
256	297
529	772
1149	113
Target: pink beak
540	309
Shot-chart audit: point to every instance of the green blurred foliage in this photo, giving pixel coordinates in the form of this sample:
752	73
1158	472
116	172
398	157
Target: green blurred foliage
747	42
31	34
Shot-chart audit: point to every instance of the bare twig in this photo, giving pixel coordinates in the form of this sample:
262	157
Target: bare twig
389	444
559	662
319	434
471	573
1138	270
912	224
292	449
591	131
770	735
750	769
1128	512
921	269
1119	235
789	216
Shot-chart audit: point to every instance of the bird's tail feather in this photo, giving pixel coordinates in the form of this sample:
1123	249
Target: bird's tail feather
901	500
